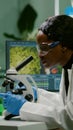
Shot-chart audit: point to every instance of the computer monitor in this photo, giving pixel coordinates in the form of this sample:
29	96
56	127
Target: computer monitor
17	51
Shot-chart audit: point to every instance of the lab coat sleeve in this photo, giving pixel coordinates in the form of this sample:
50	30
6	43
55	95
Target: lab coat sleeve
44	110
54	116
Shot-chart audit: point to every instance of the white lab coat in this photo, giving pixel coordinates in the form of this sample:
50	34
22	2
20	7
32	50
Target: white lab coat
56	109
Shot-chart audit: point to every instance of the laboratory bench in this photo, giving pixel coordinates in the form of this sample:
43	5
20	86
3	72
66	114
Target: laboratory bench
17	124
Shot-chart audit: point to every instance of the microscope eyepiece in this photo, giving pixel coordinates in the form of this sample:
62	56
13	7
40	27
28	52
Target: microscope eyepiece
25	62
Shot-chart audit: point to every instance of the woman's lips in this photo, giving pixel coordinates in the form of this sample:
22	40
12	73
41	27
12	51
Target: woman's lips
44	62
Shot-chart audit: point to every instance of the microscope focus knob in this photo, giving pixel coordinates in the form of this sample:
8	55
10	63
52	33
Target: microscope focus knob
29	97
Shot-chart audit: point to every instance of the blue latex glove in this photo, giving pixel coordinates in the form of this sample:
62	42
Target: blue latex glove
12	102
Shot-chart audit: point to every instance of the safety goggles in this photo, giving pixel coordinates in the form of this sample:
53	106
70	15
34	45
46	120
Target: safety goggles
46	47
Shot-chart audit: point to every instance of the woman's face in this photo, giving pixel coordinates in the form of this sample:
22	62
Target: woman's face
52	56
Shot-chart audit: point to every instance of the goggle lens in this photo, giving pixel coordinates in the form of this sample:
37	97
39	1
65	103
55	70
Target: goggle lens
47	47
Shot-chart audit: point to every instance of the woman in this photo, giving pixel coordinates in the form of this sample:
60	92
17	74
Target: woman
55	46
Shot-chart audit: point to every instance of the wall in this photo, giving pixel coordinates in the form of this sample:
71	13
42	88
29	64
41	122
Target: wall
63	4
45	9
8	18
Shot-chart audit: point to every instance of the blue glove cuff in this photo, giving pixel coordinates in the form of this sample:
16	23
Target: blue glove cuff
35	93
16	112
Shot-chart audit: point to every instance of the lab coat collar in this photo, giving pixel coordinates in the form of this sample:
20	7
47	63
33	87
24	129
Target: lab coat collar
69	63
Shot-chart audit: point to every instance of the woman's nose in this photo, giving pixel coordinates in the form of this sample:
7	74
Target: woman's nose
42	53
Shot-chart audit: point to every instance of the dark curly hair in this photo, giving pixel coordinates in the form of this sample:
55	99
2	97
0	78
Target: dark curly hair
59	28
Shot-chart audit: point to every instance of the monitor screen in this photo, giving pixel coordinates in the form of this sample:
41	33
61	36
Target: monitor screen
18	51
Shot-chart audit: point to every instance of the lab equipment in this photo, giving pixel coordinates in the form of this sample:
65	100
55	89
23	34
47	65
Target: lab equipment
1	106
13	79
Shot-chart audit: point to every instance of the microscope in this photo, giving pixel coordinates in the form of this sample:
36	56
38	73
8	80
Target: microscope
19	84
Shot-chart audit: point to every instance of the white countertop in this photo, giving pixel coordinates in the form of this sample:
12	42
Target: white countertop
17	124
